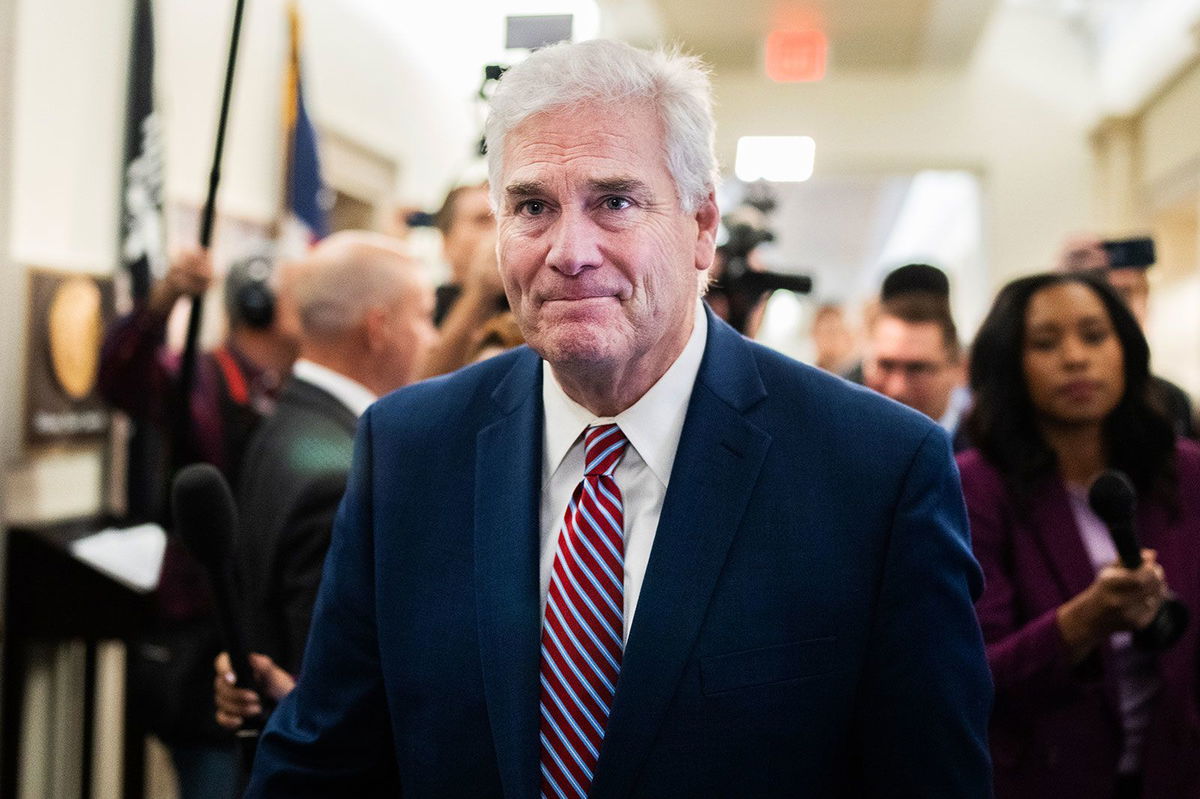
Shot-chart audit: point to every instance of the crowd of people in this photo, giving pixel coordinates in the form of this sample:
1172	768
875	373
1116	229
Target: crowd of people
853	638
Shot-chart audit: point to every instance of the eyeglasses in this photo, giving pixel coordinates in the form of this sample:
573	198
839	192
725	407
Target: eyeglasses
912	370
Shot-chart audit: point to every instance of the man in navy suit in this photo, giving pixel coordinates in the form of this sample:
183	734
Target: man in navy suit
642	557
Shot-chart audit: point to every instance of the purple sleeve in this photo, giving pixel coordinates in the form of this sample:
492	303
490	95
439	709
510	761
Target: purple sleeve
1027	656
134	375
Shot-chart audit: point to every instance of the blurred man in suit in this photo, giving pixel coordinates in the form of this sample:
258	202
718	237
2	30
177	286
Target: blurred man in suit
365	314
913	356
642	556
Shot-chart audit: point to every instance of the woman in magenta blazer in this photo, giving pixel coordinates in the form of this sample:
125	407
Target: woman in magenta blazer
1060	372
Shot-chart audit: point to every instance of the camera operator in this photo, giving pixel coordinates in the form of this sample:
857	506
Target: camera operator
739	283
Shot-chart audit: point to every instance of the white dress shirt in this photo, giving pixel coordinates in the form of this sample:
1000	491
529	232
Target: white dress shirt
351	393
652	425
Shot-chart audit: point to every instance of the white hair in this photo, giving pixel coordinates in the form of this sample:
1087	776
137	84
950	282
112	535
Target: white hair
612	72
344	277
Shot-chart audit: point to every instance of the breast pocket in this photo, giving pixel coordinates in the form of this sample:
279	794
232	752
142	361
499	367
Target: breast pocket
766	665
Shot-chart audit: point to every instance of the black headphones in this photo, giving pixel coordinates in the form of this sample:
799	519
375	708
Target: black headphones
253	300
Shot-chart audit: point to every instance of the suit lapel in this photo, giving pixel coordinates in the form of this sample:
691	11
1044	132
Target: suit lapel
507	491
1053	526
716	468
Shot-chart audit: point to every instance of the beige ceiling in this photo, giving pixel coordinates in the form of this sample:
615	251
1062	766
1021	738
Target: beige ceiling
864	35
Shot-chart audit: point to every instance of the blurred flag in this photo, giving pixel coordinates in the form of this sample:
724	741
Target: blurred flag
136	489
142	251
306	196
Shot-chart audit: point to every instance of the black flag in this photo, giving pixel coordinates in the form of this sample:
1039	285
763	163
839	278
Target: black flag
142	250
141	188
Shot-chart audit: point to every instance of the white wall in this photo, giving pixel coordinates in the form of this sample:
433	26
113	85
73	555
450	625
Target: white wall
69	87
193	45
68	91
11	322
1170	162
1018	116
1170	145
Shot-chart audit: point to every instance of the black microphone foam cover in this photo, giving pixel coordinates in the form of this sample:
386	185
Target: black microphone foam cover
1113	497
205	513
205	518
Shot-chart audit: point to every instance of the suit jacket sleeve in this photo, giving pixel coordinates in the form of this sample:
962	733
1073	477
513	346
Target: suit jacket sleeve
304	540
926	694
1028	659
331	736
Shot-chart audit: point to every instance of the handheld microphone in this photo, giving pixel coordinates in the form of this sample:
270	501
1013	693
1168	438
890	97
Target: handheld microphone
205	519
1114	499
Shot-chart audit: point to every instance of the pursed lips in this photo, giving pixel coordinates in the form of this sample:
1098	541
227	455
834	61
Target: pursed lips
579	296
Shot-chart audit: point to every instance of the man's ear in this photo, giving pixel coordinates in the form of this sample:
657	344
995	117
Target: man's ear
707	218
374	329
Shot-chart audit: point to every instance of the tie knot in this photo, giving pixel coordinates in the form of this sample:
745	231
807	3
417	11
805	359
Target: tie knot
603	446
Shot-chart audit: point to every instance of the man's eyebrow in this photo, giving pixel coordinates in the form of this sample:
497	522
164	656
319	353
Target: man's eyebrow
621	185
526	188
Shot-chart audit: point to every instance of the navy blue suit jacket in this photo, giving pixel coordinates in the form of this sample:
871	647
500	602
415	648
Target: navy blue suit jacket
805	627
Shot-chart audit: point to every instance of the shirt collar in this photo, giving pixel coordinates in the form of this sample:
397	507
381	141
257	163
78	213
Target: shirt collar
653	424
960	401
351	393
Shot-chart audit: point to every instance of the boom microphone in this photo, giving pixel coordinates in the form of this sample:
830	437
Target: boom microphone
1114	499
205	518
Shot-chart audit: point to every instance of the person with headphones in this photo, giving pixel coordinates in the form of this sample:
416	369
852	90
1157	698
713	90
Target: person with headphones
234	388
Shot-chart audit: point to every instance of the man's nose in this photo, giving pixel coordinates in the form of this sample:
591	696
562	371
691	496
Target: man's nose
895	385
575	244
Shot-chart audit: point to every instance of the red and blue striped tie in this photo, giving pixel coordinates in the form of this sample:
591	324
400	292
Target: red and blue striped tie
582	634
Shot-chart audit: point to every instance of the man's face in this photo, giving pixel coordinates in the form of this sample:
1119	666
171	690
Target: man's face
470	221
1133	285
600	263
408	328
910	363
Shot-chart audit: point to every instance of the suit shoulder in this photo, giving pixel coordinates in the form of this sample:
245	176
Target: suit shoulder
836	404
980	478
1187	450
441	404
300	441
1187	459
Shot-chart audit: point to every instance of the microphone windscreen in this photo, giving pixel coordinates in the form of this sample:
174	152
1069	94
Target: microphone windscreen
204	511
1113	498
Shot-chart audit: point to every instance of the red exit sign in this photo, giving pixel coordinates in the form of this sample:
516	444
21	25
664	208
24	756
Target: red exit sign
795	56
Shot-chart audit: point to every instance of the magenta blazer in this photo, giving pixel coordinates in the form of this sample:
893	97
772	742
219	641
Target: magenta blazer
1055	730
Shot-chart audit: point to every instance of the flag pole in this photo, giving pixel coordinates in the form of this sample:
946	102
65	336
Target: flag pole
187	373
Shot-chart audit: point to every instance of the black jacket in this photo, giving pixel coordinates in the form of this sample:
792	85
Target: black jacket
293	478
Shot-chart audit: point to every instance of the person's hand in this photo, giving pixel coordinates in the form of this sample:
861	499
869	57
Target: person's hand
190	273
235	705
1083	253
1128	599
1118	599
